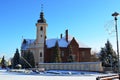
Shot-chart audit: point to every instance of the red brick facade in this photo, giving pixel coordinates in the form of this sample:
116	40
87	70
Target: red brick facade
81	54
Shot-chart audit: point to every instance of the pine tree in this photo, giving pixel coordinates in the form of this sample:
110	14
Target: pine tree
108	56
28	60
56	58
70	57
16	58
31	59
24	60
3	62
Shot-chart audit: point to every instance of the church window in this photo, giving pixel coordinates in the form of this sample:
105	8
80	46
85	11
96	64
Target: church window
62	53
41	35
74	57
41	28
45	37
40	54
83	53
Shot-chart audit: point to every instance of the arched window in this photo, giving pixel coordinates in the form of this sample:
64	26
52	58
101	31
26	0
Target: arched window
40	54
41	35
41	28
83	54
74	57
62	53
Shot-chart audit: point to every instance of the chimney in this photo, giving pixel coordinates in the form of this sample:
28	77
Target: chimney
66	35
61	36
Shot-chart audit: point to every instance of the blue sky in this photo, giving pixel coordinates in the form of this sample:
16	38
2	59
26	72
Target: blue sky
86	20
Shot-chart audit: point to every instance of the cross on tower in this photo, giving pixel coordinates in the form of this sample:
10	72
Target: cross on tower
41	7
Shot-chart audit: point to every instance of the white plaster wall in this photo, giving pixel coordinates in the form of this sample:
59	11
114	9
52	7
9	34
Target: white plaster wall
89	66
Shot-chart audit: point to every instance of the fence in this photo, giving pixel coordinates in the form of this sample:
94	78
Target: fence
86	66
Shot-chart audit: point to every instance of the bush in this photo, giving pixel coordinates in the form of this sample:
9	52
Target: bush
18	66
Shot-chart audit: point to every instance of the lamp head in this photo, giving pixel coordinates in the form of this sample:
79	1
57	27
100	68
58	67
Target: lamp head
115	14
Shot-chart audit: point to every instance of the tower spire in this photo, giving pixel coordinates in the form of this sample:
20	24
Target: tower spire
42	19
41	7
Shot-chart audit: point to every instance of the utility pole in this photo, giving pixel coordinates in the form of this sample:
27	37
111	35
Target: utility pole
115	14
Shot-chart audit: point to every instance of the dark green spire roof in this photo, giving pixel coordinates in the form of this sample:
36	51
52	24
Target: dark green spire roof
42	19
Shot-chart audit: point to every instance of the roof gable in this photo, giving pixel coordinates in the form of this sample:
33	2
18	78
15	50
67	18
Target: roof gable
74	42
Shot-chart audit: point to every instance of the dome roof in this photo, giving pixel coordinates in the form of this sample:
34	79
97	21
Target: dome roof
42	19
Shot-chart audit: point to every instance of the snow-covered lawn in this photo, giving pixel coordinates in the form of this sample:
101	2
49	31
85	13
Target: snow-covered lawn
49	75
32	77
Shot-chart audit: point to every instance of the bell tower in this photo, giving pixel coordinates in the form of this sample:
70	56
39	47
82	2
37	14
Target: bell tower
41	26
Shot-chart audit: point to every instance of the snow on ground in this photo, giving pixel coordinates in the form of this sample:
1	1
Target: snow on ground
31	77
49	75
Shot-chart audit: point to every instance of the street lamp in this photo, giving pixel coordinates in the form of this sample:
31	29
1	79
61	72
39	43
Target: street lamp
115	14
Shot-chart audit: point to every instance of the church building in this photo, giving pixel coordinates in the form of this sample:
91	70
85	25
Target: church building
44	50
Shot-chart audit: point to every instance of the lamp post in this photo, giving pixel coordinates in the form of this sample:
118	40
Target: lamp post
115	14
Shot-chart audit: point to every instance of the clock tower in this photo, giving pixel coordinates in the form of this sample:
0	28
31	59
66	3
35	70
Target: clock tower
41	26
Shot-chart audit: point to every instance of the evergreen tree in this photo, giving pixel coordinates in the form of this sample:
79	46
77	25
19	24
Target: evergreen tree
70	57
28	60
16	58
3	62
24	60
56	58
108	56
